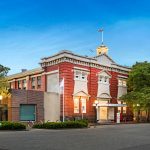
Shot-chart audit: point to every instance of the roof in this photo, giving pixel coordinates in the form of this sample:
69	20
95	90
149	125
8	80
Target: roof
101	55
67	52
100	60
25	73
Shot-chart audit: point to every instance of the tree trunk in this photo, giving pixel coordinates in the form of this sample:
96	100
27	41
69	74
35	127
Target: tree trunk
138	116
148	115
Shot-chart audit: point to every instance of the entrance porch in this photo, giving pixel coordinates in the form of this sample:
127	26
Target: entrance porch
105	112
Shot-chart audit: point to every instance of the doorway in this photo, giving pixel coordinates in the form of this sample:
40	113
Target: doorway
3	113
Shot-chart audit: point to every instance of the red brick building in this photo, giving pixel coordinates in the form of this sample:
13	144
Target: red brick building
36	94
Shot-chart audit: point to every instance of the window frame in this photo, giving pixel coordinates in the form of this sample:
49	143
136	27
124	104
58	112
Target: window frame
80	75
122	82
19	84
39	85
32	83
24	84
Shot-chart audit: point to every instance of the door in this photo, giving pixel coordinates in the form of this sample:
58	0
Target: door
27	112
111	113
103	114
3	113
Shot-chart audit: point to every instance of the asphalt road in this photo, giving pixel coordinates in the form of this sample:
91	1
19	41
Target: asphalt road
108	137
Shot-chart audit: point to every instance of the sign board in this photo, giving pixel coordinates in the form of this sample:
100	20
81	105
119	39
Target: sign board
118	118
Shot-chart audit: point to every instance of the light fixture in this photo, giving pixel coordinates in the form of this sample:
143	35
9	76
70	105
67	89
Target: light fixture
96	102
1	97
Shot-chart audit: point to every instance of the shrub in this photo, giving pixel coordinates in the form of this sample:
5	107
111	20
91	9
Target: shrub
5	125
61	125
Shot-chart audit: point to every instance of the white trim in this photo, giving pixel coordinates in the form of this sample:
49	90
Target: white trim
26	73
111	105
12	81
21	79
51	72
79	68
122	77
38	75
122	86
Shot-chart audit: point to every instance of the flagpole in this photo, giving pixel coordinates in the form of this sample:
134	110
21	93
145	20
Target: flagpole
101	30
63	102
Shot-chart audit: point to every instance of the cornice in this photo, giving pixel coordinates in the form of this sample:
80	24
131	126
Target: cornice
67	56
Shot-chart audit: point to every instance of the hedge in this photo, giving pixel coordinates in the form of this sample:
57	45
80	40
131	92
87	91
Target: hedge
6	125
61	125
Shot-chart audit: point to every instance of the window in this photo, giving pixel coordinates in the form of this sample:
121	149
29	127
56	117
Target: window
103	79
39	82
27	112
124	108
11	85
77	74
24	84
76	105
80	75
19	84
106	80
83	105
119	108
33	83
83	76
122	82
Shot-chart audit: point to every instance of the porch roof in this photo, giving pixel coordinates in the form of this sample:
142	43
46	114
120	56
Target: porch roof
110	105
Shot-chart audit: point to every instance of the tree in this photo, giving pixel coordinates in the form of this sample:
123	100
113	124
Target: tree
138	96
4	90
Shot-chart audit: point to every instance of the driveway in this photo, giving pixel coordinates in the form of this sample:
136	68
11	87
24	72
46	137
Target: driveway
105	137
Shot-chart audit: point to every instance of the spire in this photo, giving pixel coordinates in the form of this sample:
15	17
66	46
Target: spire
102	49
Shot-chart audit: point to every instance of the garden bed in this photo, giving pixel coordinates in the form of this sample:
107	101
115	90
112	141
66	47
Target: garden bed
62	125
6	125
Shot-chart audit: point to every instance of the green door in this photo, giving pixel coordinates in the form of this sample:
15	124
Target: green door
27	112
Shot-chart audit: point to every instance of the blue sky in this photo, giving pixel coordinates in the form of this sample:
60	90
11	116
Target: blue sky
32	29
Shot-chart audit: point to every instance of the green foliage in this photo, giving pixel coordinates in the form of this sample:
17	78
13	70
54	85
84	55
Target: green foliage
62	125
139	77
3	71
5	125
138	96
3	81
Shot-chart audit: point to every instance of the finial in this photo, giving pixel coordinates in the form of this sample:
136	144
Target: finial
101	30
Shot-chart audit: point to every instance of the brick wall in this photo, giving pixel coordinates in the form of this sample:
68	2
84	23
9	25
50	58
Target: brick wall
27	97
66	72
